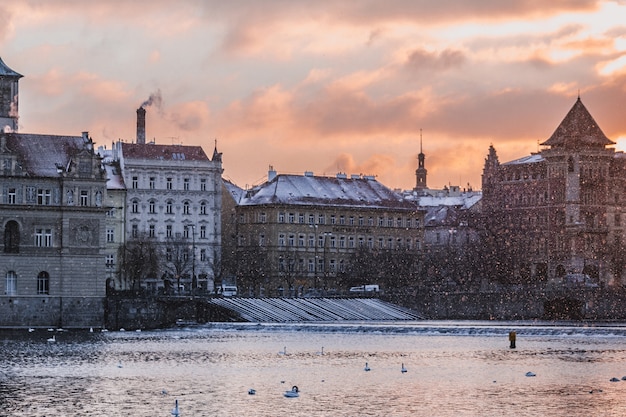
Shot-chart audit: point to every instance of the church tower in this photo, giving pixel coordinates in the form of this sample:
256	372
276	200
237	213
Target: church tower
9	114
420	172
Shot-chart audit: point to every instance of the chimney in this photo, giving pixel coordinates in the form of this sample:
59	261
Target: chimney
141	125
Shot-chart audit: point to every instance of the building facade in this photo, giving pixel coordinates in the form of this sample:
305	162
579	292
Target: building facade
560	211
296	234
168	196
52	222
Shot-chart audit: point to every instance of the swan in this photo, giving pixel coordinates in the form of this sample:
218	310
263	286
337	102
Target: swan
367	367
530	374
30	330
251	391
403	369
293	393
119	364
614	379
283	352
175	410
321	352
52	339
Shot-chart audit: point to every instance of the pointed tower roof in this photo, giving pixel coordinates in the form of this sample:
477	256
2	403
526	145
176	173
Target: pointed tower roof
5	71
578	129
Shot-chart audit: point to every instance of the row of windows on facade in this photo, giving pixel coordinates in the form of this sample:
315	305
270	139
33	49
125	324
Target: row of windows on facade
43	237
333	219
43	283
44	197
154	184
188	232
169	207
340	242
110	258
309	265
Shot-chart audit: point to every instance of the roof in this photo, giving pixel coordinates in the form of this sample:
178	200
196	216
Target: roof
115	181
464	201
361	192
578	129
530	159
39	155
5	71
163	152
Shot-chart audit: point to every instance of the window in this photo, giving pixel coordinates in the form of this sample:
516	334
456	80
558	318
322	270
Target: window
168	183
320	241
168	254
135	231
202	232
261	239
332	266
311	241
11	237
110	261
311	218
186	184
11	283
333	220
361	221
342	242
43	283
281	217
168	207
370	221
320	265
151	207
351	242
292	240
281	240
389	222
44	197
370	243
12	196
381	243
84	198
292	218
43	237
135	183
381	221
202	184
186	232
134	208
321	219
151	230
202	255
311	265
351	221
186	206
203	208
399	222
333	242
361	242
152	182
110	235
342	220
168	230
301	240
262	217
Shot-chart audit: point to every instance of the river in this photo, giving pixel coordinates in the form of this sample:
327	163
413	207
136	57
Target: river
453	369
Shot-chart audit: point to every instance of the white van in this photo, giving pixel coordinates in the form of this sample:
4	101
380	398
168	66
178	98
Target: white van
228	290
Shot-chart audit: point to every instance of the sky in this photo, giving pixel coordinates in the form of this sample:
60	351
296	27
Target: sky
323	86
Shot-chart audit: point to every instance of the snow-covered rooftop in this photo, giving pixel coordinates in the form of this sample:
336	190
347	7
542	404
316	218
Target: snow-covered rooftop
308	189
115	181
529	159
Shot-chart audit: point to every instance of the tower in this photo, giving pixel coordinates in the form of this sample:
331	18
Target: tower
9	114
420	172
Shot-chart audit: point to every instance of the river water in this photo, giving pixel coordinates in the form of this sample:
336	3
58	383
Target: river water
453	369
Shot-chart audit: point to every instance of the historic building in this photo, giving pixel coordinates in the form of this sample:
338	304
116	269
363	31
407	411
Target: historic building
294	234
169	195
559	212
52	220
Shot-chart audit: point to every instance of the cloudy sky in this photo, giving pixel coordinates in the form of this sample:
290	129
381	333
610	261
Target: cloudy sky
322	86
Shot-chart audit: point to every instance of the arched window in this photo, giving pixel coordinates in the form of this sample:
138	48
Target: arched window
135	206
11	237
11	287
43	283
203	208
186	209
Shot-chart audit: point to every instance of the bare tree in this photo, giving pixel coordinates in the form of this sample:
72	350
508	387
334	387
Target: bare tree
178	261
139	258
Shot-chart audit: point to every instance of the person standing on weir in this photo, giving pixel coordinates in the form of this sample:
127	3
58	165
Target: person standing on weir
512	337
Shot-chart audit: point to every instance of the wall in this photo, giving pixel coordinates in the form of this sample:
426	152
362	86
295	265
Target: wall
55	312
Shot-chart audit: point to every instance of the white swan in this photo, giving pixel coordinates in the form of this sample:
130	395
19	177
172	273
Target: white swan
175	410
294	392
283	352
321	352
367	367
52	339
30	330
403	369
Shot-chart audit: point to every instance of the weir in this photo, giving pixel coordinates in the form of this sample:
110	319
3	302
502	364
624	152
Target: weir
286	310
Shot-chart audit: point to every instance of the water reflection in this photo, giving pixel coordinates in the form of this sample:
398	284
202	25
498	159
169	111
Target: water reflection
453	369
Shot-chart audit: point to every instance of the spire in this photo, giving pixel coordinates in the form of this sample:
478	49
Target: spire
217	156
420	172
577	130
